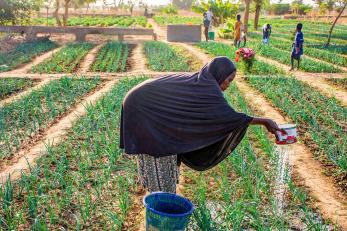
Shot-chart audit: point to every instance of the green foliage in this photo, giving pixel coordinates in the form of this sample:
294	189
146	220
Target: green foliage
16	11
221	9
117	21
162	57
66	60
84	183
24	53
170	9
111	58
13	85
279	8
23	119
163	20
221	49
322	117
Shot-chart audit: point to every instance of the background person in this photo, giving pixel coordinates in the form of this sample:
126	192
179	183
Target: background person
183	118
237	31
297	49
208	16
266	33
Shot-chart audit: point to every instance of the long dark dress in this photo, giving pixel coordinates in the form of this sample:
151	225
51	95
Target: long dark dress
184	115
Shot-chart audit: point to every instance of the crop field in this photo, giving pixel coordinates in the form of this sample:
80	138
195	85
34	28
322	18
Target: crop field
61	167
64	61
10	86
339	82
119	21
163	57
24	53
112	57
164	20
23	119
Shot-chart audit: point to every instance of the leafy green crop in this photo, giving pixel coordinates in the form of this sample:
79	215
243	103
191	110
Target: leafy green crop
117	21
221	49
13	85
239	193
324	118
316	53
162	57
163	20
64	61
339	82
84	183
24	53
282	56
111	58
23	119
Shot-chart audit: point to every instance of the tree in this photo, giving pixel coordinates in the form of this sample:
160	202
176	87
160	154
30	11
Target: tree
66	12
56	12
131	4
258	4
279	8
342	7
16	11
183	4
246	15
221	9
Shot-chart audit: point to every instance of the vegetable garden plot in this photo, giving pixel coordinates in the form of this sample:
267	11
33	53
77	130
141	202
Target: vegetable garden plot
316	53
282	56
238	194
162	57
339	82
116	21
84	183
24	53
221	49
113	57
320	119
24	119
339	49
164	20
9	86
66	60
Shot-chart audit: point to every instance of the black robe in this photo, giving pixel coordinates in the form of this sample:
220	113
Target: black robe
185	115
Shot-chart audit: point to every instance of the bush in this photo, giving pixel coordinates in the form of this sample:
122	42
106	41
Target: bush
170	9
279	8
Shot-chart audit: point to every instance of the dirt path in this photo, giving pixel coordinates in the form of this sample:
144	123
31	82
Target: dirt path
161	32
53	136
24	93
39	59
137	59
89	59
315	80
332	205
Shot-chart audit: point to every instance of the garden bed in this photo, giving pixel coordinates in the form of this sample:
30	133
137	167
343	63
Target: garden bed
11	86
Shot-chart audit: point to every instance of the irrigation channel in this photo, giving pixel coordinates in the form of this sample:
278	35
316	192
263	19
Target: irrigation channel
260	185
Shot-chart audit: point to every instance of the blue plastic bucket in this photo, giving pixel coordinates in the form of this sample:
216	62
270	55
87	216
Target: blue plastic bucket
167	211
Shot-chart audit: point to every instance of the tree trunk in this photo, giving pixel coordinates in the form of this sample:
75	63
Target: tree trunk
56	12
87	8
66	12
245	19
257	14
333	25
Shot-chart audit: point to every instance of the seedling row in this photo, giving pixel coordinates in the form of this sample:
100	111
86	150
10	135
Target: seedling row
162	57
66	60
82	180
112	57
24	119
10	86
24	53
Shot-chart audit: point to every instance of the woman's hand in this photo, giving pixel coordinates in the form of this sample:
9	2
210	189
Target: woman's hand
270	125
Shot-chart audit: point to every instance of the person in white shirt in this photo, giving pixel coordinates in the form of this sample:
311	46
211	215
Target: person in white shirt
208	16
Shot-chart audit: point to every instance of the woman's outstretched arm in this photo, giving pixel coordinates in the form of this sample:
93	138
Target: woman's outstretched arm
270	125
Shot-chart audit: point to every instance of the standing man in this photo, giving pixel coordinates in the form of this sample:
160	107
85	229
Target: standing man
237	31
208	16
297	50
266	33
